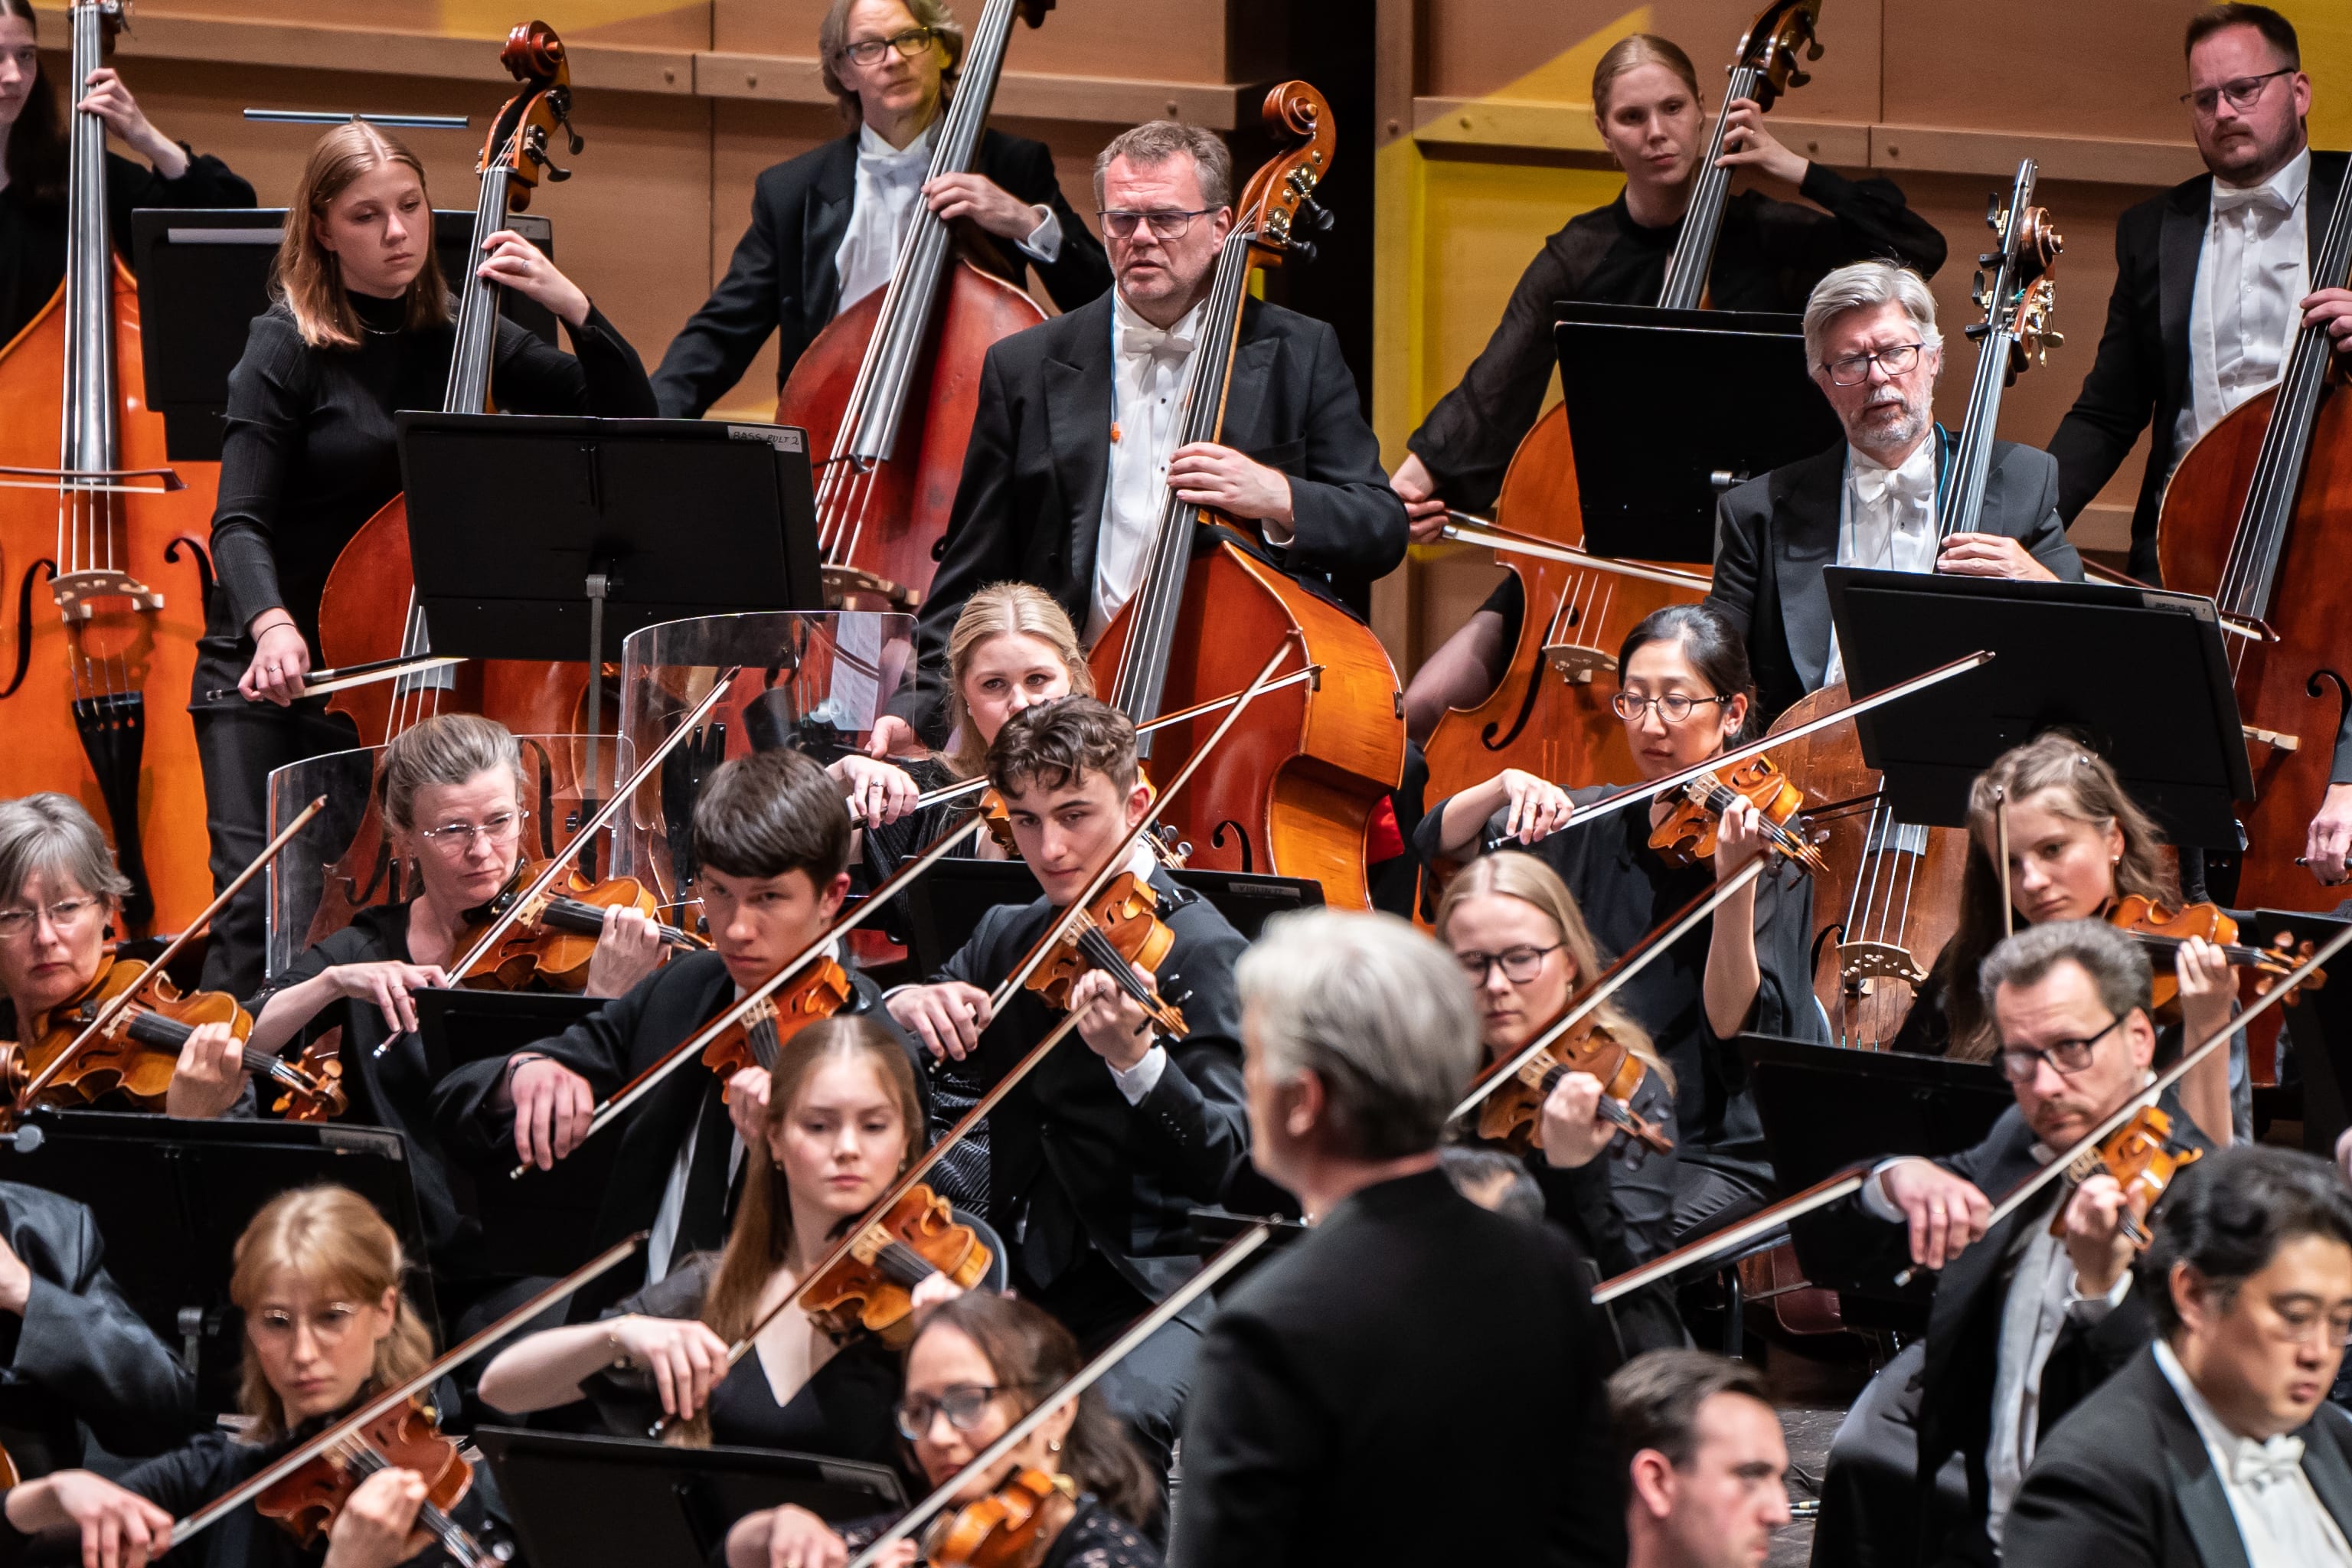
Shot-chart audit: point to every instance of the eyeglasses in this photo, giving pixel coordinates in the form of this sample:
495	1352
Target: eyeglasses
2242	93
1165	225
1518	965
910	43
2019	1063
454	839
1854	369
1674	707
963	1404
2302	1323
66	913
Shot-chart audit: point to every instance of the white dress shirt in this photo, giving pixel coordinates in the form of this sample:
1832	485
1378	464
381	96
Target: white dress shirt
1150	373
1887	521
889	184
2281	1520
2251	270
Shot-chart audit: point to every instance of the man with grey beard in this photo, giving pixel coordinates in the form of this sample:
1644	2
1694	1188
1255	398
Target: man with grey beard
1871	501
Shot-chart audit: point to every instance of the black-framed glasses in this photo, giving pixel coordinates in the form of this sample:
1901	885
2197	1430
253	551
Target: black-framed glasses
2019	1063
1164	225
2243	92
963	1404
1518	965
910	43
1674	707
1854	369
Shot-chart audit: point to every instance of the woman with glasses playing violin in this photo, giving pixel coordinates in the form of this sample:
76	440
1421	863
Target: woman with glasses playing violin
977	1364
1686	695
825	226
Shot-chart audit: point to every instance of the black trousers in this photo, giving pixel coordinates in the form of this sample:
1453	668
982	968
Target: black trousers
1870	1488
238	748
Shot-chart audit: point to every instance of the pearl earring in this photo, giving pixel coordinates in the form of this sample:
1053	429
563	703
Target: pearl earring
1052	1445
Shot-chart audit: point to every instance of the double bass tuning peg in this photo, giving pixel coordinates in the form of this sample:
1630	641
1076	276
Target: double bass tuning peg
1319	218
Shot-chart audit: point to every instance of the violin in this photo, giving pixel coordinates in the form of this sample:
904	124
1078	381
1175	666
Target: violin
554	939
1012	1528
755	1039
1513	1114
2163	929
1687	834
308	1501
1120	928
2140	1155
872	1287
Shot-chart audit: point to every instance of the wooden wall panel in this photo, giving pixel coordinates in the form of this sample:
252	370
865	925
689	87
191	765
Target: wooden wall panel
1174	41
2106	68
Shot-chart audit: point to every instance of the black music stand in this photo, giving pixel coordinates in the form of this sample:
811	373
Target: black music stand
2319	1025
204	276
584	1500
170	1197
2140	672
1743	406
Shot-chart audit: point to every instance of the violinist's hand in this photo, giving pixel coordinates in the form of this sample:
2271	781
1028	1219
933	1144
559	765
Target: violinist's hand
1424	512
1945	1212
210	1077
1202	473
628	949
120	1528
377	1526
1113	1024
1573	1132
947	1017
687	1359
2329	843
391	986
111	102
1538	807
786	1537
280	660
747	1105
2331	308
2207	987
15	1281
1738	838
2094	1234
935	1287
878	792
1747	146
893	737
551	1108
511	259
985	203
1990	555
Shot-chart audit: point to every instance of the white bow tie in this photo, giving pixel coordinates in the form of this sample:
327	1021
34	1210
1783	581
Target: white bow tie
1140	341
1874	484
2260	1465
2259	198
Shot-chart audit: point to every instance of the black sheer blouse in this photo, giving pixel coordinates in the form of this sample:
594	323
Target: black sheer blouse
33	230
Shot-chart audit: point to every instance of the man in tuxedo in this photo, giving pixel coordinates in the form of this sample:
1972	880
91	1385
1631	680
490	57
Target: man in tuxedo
2024	1322
1074	446
772	837
2215	1447
1411	1328
1873	499
1705	1462
1094	1162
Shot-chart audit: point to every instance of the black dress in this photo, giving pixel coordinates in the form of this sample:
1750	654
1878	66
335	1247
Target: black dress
33	230
311	455
1095	1538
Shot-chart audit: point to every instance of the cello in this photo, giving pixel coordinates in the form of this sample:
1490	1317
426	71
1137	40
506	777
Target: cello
1300	783
889	398
87	502
1550	712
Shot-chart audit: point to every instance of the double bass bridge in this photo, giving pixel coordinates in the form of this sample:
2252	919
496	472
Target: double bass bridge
77	593
841	582
1577	663
1859	962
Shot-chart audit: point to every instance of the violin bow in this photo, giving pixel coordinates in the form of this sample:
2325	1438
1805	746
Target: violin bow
120	1004
393	1398
1731	1239
2001	832
1731	756
1045	944
557	864
1228	1259
1467	529
1607	985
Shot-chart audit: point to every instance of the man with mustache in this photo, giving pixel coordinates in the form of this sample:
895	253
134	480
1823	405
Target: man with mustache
1872	501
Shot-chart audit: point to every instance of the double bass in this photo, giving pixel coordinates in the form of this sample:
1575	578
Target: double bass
1550	712
89	507
888	388
1300	780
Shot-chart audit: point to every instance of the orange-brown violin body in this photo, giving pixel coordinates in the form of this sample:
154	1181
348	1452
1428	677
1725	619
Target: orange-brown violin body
1012	1528
1122	927
1687	832
1513	1114
551	952
2144	917
872	1288
307	1503
752	1041
2142	1158
114	1063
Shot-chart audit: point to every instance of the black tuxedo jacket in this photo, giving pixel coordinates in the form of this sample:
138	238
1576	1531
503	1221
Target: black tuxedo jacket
608	1049
2140	378
1070	1161
1329	1378
79	1353
2125	1481
1775	533
1030	504
783	279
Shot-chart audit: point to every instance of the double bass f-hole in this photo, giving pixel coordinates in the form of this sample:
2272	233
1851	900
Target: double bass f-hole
24	622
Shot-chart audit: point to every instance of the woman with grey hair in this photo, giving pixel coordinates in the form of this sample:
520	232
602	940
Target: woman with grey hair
826	226
60	909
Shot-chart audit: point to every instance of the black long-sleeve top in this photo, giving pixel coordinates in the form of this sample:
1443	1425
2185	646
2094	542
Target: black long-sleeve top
311	452
33	229
1768	256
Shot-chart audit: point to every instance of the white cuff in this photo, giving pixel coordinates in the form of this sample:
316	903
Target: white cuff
1280	535
2095	1308
1874	1195
1044	242
1141	1079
